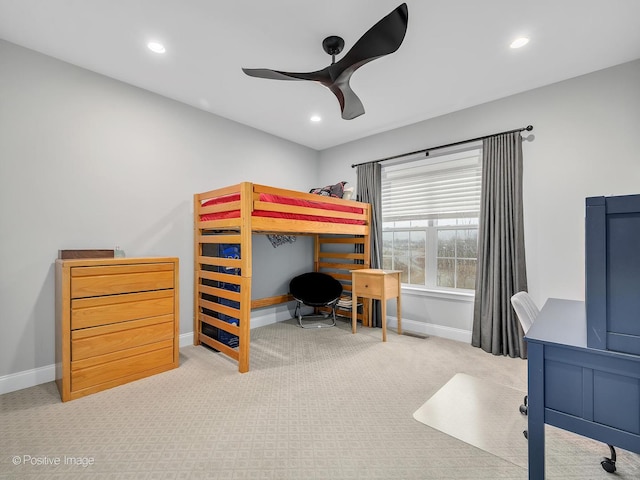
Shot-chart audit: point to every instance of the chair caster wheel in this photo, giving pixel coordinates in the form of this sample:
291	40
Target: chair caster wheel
526	434
523	409
608	465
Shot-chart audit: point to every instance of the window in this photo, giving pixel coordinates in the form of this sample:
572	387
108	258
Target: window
430	213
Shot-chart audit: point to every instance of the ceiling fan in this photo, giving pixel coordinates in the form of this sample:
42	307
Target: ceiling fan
383	38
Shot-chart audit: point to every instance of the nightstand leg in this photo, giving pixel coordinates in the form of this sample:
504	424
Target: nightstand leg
399	315
366	317
384	319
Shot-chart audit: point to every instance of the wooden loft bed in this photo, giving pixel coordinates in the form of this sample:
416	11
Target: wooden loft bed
224	221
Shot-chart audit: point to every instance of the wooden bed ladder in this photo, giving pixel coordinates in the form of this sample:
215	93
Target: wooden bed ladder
210	274
337	256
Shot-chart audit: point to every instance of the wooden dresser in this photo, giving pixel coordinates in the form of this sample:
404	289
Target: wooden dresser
117	320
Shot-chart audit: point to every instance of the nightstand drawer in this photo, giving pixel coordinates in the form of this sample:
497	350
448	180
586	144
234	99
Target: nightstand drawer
115	279
370	285
94	311
91	342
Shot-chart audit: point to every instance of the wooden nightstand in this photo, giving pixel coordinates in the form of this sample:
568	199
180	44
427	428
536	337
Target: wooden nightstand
375	284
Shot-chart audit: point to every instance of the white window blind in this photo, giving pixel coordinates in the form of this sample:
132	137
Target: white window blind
442	187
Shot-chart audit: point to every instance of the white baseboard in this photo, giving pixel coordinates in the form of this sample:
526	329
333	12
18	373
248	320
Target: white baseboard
431	329
26	379
36	376
271	315
186	339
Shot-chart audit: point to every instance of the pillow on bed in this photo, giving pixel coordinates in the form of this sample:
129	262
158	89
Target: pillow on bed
336	190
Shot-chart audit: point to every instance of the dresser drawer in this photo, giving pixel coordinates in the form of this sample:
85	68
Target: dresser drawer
94	311
91	342
113	366
115	279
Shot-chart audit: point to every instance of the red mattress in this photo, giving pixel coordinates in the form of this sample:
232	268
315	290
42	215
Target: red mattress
267	197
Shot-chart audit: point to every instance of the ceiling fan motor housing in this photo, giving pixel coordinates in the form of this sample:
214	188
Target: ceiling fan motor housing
333	45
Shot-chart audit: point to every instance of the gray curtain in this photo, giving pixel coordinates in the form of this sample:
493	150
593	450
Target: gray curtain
369	190
501	270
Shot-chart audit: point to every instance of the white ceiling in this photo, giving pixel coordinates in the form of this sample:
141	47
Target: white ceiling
455	55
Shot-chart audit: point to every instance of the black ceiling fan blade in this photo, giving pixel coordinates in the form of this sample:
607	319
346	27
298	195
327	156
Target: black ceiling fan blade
319	76
384	38
350	105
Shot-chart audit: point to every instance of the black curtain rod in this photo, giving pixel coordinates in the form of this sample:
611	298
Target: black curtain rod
528	128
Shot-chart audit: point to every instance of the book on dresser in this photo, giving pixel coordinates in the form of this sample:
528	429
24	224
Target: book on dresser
117	320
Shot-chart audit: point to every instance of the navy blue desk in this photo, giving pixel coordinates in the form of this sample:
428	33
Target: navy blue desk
595	393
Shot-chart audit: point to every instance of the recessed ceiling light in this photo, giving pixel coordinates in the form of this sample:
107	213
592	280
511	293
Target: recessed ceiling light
315	118
519	42
156	47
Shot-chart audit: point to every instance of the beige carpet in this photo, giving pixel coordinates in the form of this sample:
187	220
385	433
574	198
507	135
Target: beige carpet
486	415
317	404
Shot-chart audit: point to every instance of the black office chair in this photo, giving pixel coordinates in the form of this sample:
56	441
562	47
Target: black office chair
315	289
527	311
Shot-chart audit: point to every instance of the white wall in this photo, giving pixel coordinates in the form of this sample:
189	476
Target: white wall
90	162
584	143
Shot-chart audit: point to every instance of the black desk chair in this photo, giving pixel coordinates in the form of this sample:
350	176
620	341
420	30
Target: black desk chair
527	311
315	289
